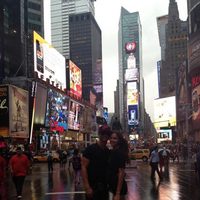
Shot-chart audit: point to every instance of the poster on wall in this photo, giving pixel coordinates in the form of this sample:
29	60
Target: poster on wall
19	112
4	111
57	111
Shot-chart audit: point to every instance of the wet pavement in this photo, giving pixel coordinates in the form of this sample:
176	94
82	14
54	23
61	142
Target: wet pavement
180	183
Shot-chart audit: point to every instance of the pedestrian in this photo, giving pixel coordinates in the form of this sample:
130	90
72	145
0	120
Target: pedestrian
94	165
19	166
2	169
75	160
50	162
154	160
198	163
116	166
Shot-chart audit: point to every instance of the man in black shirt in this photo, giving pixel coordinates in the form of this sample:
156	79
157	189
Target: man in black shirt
94	167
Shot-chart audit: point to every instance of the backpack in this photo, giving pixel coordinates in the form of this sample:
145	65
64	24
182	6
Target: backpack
76	163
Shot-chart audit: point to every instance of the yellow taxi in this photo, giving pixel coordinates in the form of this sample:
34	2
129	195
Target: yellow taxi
42	157
139	154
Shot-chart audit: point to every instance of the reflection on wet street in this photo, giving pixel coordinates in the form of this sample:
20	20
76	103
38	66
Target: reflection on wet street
180	182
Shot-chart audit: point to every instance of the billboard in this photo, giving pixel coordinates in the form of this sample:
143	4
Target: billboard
130	47
164	135
132	93
4	111
75	78
19	112
131	61
132	74
49	64
165	112
57	111
75	112
133	115
196	101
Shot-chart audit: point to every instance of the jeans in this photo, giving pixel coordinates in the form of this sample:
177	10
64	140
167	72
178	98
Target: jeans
19	182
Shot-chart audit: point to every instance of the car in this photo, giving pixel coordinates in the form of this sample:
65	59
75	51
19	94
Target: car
139	154
42	157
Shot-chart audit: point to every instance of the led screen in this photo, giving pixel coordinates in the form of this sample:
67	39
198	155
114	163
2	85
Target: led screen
75	77
57	111
75	111
132	93
133	115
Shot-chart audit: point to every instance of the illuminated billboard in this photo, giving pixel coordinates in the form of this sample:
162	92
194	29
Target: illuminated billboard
75	112
164	135
49	64
133	115
75	78
131	61
130	47
19	112
4	111
165	112
196	101
57	111
132	93
132	74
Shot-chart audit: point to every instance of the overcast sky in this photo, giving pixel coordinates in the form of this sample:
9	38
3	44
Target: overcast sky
107	16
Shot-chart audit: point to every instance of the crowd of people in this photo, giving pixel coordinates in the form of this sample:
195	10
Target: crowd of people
100	167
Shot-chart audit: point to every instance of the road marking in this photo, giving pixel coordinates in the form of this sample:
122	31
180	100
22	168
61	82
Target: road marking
72	192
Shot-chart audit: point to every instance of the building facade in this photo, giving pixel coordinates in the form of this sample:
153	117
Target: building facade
175	51
130	34
60	11
86	52
17	23
194	67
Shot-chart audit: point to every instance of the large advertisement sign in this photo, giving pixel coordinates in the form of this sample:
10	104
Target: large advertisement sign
132	74
133	115
75	112
49	64
132	93
196	101
4	111
57	111
130	47
19	112
164	135
165	112
75	77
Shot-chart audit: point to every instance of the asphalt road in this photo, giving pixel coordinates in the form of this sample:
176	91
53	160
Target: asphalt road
180	183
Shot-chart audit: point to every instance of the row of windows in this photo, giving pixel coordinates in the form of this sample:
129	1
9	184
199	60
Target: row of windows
34	16
79	18
34	6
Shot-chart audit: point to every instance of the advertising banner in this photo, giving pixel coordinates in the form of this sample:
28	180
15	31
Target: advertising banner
164	135
49	64
75	112
4	111
164	112
75	77
133	115
132	74
132	93
196	101
19	112
57	111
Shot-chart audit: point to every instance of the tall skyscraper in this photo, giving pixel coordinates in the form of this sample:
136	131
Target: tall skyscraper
131	92
175	50
60	11
86	52
17	22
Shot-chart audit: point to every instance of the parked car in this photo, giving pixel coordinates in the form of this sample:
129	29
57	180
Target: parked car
139	154
42	157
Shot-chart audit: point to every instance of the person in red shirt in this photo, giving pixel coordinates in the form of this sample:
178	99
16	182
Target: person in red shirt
2	168
19	165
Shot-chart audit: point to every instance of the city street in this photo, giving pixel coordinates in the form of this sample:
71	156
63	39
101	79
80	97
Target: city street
180	183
